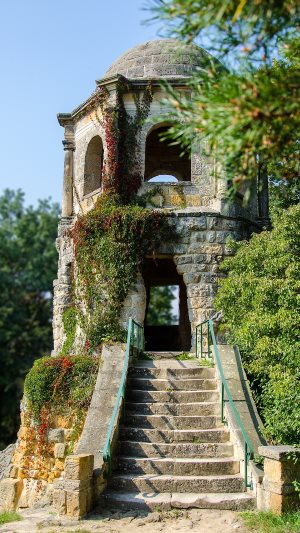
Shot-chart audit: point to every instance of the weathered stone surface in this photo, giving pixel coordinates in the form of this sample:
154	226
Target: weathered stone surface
56	435
10	490
79	467
35	491
5	461
279	453
59	450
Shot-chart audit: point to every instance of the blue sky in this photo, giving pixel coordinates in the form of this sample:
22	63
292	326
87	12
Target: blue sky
52	51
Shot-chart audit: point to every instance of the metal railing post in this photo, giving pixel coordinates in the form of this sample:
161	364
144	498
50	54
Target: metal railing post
208	340
201	342
222	403
246	465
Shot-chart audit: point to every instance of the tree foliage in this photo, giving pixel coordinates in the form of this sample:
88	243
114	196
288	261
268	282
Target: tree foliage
28	263
260	302
248	110
160	310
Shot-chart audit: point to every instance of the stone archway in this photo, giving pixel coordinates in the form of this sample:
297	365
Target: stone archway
162	272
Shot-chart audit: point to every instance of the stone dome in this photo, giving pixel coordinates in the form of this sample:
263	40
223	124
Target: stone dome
162	58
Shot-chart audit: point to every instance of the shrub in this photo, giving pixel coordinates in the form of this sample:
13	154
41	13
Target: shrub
60	385
260	303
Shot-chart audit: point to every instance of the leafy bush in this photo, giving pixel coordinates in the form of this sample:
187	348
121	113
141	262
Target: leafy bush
260	303
60	385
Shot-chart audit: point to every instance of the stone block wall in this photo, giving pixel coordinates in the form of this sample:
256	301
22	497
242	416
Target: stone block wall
35	464
38	459
198	247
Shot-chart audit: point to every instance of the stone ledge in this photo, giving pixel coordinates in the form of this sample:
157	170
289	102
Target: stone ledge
278	453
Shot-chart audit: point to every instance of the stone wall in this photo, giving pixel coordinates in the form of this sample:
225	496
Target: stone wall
198	247
38	460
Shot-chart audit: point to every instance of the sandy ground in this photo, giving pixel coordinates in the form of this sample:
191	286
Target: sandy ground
197	520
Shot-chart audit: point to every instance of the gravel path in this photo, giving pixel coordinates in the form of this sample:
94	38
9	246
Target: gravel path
198	520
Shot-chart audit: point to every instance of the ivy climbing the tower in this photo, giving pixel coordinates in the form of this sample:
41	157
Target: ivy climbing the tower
112	239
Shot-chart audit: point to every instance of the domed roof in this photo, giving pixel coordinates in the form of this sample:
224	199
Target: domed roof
163	58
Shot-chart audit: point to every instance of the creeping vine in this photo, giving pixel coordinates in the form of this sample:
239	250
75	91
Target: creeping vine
111	240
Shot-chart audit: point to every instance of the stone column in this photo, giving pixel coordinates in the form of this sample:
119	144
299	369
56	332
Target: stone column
67	199
281	469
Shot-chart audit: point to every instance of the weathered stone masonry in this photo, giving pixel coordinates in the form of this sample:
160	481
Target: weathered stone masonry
196	204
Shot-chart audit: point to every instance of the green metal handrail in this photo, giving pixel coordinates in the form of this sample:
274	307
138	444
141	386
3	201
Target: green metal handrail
207	330
135	341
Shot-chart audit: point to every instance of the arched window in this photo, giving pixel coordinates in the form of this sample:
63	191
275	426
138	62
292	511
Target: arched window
164	160
93	166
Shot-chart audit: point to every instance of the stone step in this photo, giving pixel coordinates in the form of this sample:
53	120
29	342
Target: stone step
171	385
158	449
168	483
177	435
177	466
164	355
173	396
179	409
167	501
171	373
171	422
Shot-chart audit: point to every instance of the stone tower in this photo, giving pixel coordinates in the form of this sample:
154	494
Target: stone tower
191	195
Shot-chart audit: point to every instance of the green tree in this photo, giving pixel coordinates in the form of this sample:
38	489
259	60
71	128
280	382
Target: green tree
260	303
247	111
28	263
160	310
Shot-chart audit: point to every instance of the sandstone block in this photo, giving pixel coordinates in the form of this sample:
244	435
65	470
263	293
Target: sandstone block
76	503
79	467
59	450
56	435
192	277
63	422
33	491
10	490
59	501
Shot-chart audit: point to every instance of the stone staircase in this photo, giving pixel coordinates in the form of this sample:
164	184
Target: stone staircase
173	450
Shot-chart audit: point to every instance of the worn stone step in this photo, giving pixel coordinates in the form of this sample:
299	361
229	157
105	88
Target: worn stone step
177	466
172	422
179	409
168	483
171	385
167	501
172	396
177	435
157	356
158	449
171	373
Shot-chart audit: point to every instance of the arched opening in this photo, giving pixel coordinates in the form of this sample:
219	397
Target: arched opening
163	159
167	324
93	166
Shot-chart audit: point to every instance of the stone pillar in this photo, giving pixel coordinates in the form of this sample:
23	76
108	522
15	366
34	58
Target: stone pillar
67	199
281	469
66	121
73	495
